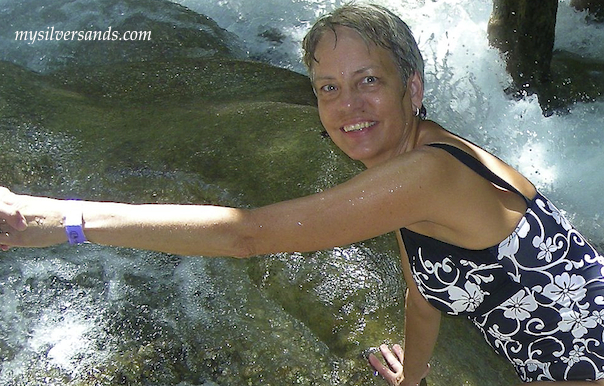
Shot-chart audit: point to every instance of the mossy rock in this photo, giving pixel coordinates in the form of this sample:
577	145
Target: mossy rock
246	127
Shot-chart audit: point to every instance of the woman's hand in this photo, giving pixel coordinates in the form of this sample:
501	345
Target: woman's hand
393	373
11	218
27	221
9	214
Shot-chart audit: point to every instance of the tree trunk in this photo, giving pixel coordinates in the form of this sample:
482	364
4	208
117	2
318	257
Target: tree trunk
525	31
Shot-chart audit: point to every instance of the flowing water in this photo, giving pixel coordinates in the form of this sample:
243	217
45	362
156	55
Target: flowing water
99	315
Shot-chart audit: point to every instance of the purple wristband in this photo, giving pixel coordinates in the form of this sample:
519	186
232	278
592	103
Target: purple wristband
72	222
75	234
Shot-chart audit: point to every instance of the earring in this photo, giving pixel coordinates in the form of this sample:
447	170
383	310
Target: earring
417	111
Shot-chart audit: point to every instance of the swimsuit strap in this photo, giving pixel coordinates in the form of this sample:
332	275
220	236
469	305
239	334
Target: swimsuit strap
478	167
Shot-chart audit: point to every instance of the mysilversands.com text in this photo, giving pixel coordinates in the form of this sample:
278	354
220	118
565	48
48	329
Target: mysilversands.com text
57	35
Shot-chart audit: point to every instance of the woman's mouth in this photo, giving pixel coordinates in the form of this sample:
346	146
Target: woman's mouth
357	126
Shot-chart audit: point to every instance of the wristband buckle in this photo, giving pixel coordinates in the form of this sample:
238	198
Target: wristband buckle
73	223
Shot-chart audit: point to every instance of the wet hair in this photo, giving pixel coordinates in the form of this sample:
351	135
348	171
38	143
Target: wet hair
376	25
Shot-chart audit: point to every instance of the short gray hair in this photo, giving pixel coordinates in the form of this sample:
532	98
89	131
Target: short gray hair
376	25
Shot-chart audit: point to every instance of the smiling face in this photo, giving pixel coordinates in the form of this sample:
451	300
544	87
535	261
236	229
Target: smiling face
363	103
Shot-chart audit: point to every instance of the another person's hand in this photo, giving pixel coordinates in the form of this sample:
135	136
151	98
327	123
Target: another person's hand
393	373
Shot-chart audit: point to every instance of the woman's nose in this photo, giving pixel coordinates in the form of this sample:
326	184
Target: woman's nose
350	99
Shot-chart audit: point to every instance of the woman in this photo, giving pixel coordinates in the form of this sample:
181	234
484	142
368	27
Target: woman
535	295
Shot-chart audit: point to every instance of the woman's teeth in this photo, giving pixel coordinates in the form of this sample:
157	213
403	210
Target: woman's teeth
358	126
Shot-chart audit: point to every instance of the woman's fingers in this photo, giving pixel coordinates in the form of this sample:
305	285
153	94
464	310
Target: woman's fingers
394	361
379	366
9	214
12	217
393	373
384	371
398	350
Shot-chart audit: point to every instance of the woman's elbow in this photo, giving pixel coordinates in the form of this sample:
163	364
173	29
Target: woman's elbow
236	236
254	236
245	248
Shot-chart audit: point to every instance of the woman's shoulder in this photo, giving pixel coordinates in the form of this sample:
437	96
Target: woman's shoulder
434	135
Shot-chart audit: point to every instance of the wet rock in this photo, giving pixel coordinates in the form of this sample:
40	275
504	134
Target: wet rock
227	120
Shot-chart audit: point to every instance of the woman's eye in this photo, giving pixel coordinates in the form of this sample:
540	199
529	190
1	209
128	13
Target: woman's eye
370	79
328	88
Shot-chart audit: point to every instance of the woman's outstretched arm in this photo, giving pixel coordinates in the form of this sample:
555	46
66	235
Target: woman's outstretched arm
375	202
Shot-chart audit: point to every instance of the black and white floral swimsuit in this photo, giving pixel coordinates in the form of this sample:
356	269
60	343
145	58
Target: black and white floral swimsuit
537	297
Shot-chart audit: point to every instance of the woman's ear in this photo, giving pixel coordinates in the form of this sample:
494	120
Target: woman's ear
416	87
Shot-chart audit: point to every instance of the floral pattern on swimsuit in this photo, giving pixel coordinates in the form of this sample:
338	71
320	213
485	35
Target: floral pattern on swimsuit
537	297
